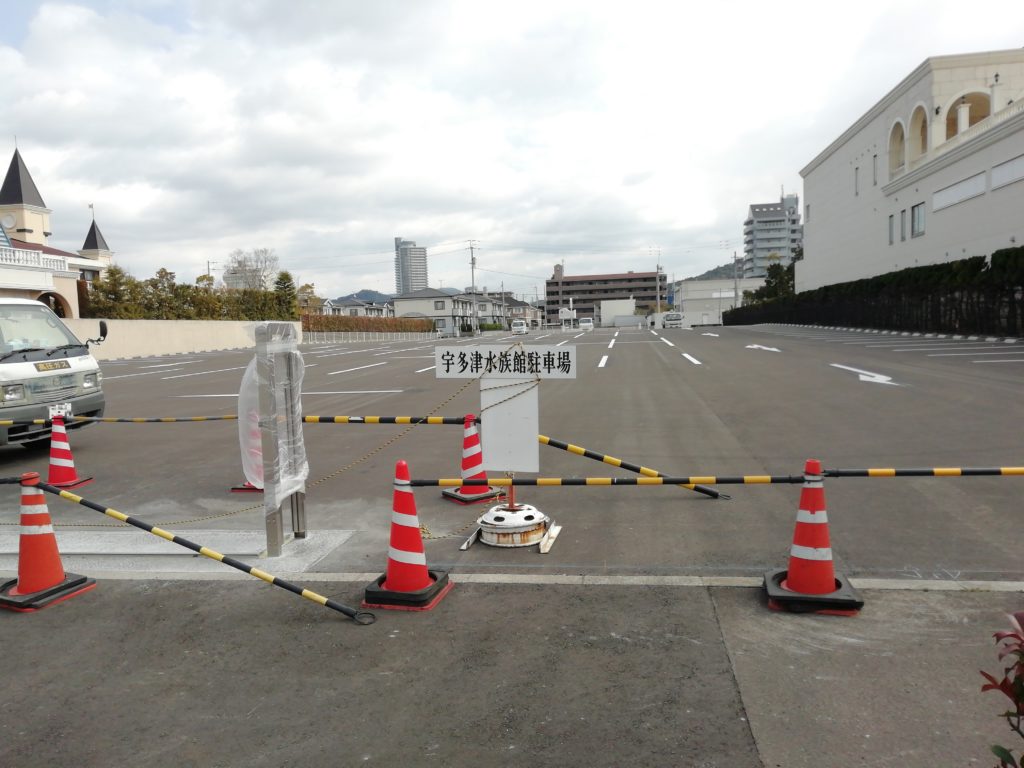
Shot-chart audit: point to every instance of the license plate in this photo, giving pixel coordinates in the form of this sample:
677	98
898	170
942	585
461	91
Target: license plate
52	365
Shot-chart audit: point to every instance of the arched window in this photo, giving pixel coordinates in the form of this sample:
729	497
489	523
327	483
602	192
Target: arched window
918	134
897	150
980	108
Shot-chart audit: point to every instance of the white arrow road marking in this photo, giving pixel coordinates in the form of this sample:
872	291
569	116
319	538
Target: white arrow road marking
874	378
758	346
709	334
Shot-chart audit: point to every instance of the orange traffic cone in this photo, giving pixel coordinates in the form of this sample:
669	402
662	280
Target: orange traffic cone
41	580
407	585
472	469
810	585
62	463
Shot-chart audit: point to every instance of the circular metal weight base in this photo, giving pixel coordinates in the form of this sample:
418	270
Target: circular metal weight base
521	526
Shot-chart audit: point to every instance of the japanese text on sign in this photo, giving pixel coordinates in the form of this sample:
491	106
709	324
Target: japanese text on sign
517	362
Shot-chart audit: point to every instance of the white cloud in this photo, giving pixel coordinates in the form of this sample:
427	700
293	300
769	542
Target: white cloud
610	135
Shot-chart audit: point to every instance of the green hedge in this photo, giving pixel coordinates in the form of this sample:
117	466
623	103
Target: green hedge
343	323
973	295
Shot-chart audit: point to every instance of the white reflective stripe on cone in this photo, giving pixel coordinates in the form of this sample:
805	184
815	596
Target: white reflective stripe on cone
31	530
472	450
61	462
811	553
400	518
803	516
403	488
58	444
412	558
813	483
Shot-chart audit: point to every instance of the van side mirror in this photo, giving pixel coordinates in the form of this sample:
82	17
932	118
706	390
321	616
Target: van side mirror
103	334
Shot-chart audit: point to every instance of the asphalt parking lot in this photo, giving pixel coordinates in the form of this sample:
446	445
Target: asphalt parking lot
640	639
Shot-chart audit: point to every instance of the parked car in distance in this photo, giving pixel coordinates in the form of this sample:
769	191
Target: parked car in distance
672	320
519	327
586	324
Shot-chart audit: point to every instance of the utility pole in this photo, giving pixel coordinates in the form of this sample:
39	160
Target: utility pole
735	282
472	285
208	263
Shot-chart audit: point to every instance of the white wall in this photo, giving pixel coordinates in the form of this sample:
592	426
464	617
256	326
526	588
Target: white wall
846	230
145	338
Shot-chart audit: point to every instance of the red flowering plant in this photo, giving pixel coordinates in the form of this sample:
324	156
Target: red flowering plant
1011	649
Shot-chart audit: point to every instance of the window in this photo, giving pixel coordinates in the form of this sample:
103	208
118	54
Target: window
439	323
483	306
903	224
874	170
917	220
439	304
856	181
353	313
892	229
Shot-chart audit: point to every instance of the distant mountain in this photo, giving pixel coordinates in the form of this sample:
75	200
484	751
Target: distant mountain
370	297
724	272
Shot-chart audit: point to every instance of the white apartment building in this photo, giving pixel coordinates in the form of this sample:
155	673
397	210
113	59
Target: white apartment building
410	266
450	314
771	234
934	172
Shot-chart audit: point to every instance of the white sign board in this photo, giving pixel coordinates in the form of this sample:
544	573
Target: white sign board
514	361
509	424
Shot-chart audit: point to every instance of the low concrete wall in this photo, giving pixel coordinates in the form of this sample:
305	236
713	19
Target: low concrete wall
145	338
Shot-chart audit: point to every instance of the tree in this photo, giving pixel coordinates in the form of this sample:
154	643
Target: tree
251	269
309	302
117	296
778	283
287	296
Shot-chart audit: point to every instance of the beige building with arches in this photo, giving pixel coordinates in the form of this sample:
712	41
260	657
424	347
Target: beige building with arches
29	267
934	172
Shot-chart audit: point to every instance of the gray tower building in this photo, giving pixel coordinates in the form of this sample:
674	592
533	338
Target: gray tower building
771	232
410	266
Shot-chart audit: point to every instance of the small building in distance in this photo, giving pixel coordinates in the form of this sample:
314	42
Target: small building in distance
703	302
583	293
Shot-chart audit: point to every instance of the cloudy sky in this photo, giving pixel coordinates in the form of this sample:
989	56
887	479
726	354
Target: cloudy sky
608	135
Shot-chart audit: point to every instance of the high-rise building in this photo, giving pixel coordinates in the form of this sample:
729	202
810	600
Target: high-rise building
410	266
771	233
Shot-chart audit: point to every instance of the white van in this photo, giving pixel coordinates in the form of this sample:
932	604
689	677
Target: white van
43	367
672	320
519	327
586	324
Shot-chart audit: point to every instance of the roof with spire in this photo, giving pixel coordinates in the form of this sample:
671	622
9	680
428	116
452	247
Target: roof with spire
94	240
18	188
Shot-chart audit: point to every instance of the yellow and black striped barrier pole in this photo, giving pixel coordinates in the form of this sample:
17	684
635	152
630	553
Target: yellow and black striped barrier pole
360	617
384	420
112	420
928	472
646	471
449	482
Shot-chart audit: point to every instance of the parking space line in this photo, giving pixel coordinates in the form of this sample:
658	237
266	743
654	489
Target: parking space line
203	373
667	341
359	368
130	375
424	370
692	359
603	361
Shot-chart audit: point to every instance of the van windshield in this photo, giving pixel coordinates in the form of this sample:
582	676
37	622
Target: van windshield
24	326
